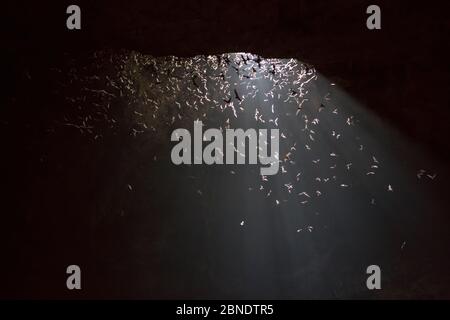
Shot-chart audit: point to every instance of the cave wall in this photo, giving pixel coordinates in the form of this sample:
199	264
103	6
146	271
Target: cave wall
400	71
